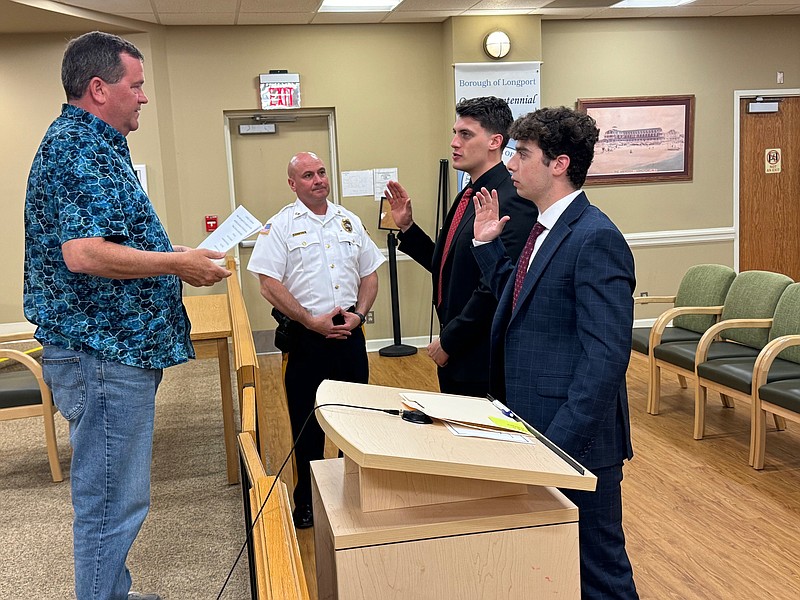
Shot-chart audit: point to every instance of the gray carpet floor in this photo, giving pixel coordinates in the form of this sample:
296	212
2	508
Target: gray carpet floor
195	527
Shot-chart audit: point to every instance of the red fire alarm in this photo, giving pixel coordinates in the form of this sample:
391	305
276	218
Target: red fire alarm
211	223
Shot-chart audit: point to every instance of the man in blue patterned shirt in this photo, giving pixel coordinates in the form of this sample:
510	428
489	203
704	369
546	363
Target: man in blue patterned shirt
103	284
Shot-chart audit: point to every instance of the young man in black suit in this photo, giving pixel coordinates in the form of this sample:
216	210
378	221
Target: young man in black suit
465	308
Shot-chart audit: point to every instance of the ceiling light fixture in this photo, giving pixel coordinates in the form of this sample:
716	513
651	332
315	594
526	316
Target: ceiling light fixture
650	3
358	5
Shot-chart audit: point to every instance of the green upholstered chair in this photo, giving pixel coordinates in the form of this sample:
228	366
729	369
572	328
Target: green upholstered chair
25	394
702	285
780	398
752	295
734	376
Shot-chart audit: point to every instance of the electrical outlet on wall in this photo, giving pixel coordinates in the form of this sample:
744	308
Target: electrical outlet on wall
370	320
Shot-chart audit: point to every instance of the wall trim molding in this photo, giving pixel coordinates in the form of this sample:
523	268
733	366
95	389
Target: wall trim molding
680	237
649	239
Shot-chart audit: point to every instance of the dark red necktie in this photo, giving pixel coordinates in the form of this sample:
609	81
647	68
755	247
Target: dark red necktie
459	214
524	259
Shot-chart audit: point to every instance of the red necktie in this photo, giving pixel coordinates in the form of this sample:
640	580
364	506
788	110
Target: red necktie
459	214
524	259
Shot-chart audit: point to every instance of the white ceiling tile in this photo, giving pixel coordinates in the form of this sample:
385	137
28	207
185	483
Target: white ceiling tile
567	13
148	17
414	5
623	13
750	10
269	6
421	16
495	12
275	18
691	11
112	6
195	6
526	5
196	18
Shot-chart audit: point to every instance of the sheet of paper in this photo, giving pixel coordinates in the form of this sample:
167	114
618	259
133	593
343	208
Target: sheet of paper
357	183
381	178
240	225
489	434
461	409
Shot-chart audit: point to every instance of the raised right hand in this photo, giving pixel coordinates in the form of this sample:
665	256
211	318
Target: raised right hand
488	224
400	203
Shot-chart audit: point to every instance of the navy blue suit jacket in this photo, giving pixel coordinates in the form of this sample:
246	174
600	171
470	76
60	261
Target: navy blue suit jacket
562	353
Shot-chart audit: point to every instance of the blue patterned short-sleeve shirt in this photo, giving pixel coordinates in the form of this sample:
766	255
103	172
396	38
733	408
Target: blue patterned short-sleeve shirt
81	185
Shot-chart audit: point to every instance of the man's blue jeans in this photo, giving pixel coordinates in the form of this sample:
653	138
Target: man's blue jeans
110	409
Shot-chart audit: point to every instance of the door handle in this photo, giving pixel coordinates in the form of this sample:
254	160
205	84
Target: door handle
247	243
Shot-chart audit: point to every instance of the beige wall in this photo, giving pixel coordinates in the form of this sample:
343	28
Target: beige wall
705	57
392	89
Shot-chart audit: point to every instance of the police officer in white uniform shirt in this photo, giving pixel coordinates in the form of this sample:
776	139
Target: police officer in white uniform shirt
318	267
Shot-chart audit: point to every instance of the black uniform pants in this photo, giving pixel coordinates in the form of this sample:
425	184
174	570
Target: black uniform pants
313	360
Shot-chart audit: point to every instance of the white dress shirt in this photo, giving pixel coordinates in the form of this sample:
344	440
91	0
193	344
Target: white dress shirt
319	258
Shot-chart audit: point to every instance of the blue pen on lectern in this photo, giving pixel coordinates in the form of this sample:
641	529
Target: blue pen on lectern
558	451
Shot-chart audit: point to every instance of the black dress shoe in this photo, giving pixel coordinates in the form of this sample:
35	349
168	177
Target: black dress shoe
303	516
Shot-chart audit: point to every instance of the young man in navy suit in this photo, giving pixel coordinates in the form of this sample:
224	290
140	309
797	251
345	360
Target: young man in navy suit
561	337
464	307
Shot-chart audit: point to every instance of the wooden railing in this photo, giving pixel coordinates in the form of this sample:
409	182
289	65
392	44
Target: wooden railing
274	554
245	360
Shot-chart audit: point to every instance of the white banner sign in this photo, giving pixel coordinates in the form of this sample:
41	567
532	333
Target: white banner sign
515	82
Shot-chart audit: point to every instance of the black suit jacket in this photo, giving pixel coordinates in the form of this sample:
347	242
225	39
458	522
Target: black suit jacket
468	307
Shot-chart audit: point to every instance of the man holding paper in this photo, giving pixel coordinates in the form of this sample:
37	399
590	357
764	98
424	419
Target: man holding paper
103	284
318	267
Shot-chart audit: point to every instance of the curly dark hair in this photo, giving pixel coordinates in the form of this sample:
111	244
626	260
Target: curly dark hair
94	54
491	112
559	131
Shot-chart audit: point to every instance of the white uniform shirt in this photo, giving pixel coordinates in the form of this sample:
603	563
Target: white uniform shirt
320	259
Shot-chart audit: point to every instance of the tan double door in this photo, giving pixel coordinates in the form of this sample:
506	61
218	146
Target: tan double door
258	167
769	202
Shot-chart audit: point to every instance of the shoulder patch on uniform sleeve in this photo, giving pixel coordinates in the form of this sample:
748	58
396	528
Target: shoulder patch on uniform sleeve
265	230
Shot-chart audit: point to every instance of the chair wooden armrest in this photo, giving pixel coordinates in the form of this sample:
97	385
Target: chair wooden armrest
30	363
47	408
654	299
668	315
768	355
713	332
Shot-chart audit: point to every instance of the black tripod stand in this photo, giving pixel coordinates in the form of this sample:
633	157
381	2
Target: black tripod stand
398	348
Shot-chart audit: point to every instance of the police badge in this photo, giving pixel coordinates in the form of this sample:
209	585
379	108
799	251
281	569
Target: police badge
347	225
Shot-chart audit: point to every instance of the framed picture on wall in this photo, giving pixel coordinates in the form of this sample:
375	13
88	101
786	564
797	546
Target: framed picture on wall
642	139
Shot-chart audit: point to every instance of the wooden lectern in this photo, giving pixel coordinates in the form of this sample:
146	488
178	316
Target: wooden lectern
415	512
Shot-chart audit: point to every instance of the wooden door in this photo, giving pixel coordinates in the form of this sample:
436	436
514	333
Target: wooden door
769	202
